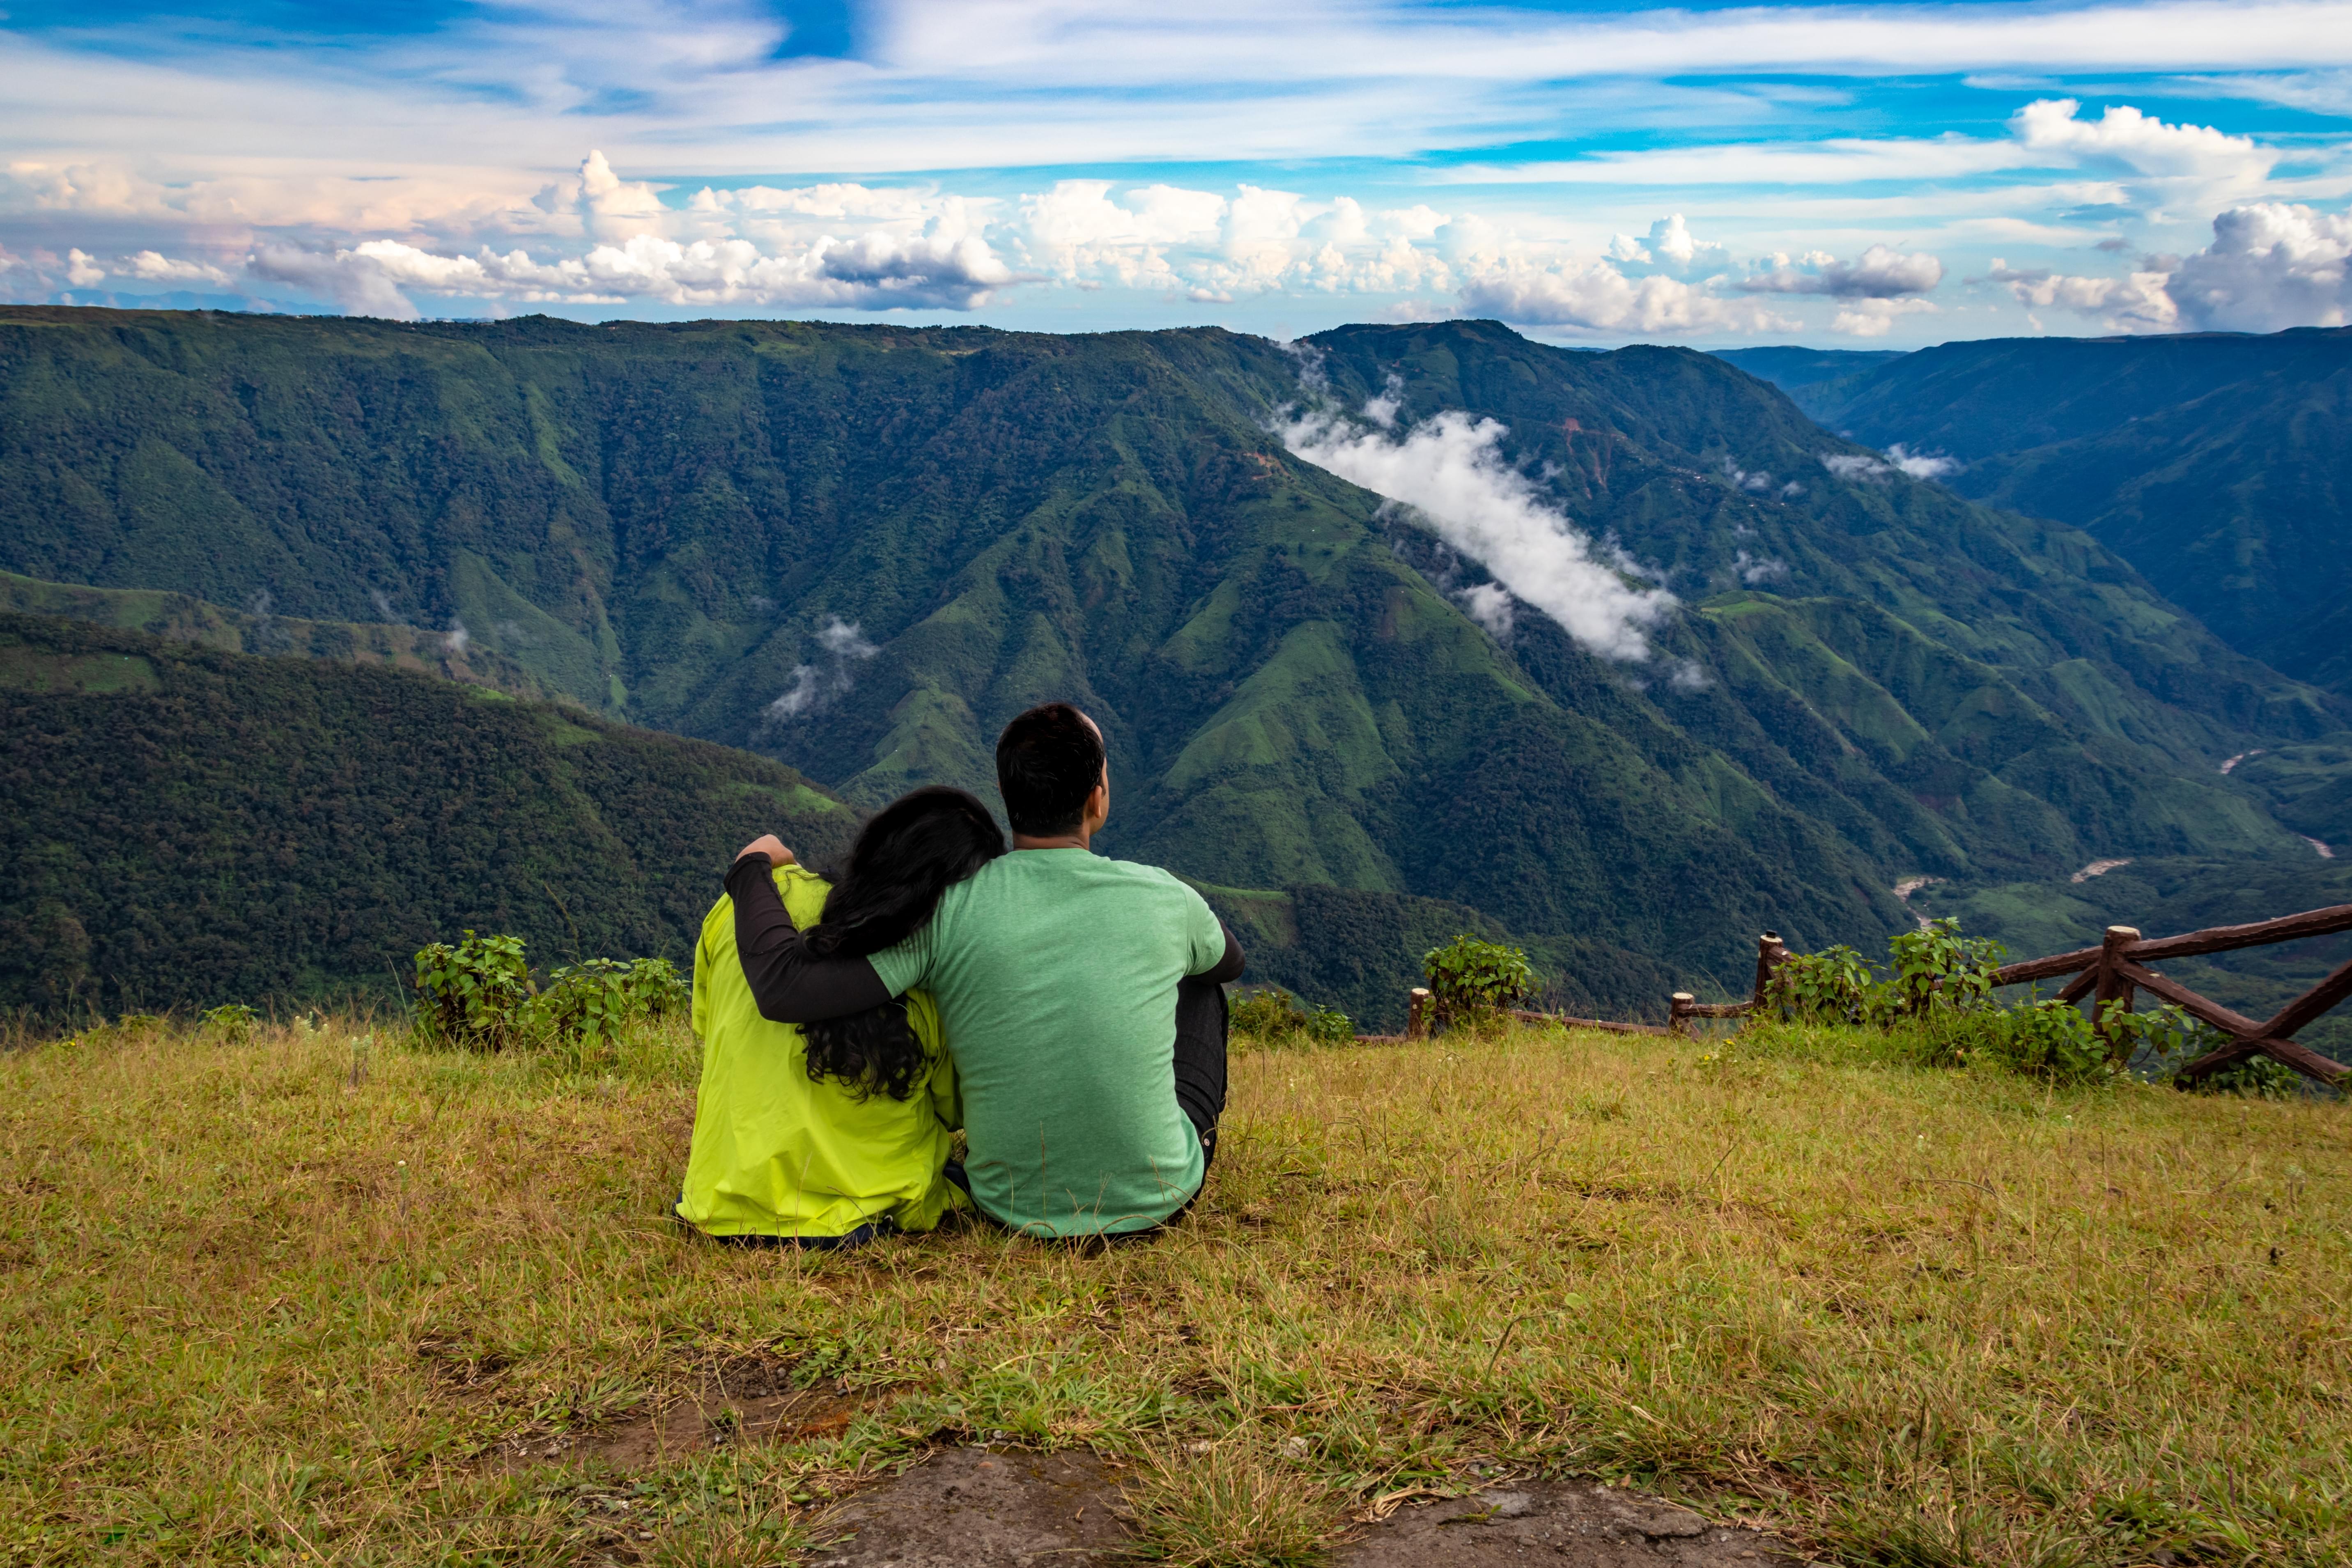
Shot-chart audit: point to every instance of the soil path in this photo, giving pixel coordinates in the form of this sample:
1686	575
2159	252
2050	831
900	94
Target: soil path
979	1508
1561	1524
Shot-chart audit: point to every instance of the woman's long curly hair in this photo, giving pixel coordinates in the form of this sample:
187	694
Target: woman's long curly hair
913	850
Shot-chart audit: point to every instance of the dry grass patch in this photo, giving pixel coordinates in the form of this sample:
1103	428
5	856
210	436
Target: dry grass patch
288	1296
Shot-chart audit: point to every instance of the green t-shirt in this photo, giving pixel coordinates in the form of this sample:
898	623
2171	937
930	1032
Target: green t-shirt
1056	971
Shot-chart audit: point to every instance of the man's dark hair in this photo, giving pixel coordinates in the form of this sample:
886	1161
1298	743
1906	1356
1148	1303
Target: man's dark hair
1048	762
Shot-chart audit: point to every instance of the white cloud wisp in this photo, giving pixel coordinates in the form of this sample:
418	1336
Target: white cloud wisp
1450	470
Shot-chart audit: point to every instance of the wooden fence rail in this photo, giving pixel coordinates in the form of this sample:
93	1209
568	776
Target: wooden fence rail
2117	970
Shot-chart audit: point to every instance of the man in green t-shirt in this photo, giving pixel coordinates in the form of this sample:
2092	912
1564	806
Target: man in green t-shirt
1082	998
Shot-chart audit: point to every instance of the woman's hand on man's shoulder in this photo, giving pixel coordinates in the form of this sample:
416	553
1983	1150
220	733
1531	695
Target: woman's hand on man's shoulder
771	846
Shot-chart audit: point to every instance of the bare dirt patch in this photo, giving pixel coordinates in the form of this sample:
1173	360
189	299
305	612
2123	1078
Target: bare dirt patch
747	1399
985	1508
1574	1524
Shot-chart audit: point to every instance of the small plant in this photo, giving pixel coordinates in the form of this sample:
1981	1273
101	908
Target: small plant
587	1003
2256	1077
232	1022
1831	986
1269	1014
476	995
2053	1039
658	989
1329	1027
1937	967
1472	981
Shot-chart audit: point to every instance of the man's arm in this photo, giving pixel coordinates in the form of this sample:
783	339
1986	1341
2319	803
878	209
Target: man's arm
1229	968
791	984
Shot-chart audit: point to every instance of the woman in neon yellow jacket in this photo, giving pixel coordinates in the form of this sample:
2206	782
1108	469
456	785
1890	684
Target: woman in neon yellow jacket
829	1134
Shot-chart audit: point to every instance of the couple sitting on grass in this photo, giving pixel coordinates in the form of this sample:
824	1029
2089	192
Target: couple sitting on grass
1066	1011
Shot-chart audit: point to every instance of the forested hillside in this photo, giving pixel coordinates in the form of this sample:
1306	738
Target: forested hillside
860	549
2220	464
188	827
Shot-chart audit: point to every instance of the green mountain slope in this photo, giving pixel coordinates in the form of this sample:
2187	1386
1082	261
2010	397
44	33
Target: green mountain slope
183	618
860	549
188	825
2219	466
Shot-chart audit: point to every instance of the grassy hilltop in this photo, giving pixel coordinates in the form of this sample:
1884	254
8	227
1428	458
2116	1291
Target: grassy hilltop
858	550
317	1296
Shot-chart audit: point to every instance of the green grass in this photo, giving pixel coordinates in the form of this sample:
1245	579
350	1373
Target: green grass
272	1301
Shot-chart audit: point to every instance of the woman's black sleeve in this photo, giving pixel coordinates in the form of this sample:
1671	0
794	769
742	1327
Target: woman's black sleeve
1229	968
791	984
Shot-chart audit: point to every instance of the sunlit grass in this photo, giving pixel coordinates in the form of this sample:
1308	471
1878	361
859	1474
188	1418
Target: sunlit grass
277	1298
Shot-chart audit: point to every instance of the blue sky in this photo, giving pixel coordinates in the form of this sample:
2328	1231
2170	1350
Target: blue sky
1847	175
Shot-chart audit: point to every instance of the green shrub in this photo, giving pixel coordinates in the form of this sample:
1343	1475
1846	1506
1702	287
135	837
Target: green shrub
1937	968
2256	1077
1472	981
1329	1027
477	994
1274	1016
2050	1039
1831	986
588	1002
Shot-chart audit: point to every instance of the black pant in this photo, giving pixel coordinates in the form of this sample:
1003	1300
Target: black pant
1200	1021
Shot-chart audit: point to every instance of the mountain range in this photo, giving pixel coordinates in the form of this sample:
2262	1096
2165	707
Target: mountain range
2218	464
1355	716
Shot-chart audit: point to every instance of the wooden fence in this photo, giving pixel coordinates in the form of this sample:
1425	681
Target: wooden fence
2115	971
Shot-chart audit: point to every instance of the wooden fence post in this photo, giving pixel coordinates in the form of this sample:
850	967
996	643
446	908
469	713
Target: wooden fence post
2114	985
1416	1013
1678	1013
1770	953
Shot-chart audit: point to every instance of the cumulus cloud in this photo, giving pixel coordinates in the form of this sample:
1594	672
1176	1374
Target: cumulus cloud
1874	318
1670	244
1450	470
945	266
1755	569
152	267
2131	143
1854	466
2271	265
1878	273
1594	296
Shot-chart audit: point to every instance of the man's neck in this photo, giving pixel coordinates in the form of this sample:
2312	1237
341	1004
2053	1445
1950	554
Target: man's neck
1079	840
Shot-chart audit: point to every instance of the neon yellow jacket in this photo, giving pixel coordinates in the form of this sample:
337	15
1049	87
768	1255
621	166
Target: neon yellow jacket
776	1155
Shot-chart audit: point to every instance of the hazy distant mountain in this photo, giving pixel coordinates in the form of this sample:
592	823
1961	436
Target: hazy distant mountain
860	549
2219	465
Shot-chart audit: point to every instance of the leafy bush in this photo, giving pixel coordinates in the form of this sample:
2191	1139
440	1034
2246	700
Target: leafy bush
1937	967
1272	1013
1831	986
2256	1077
476	995
1274	1016
2050	1039
588	1002
1329	1027
1472	981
